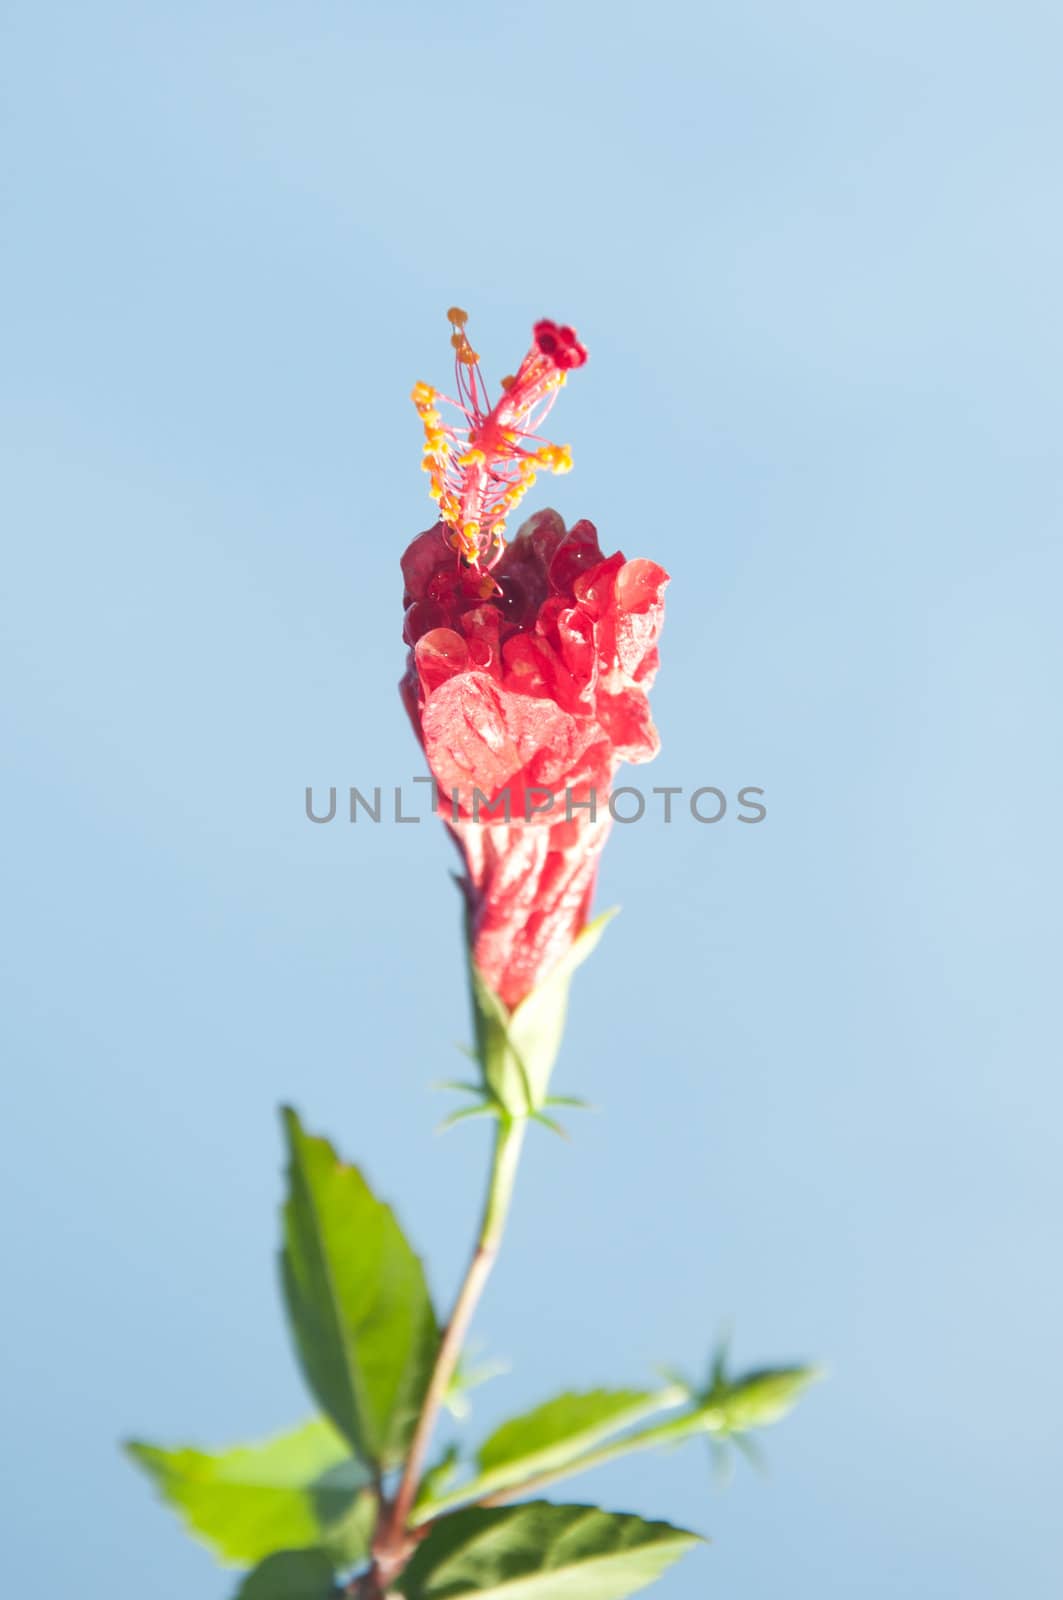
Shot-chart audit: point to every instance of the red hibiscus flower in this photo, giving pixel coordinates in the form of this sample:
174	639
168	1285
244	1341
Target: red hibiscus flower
527	684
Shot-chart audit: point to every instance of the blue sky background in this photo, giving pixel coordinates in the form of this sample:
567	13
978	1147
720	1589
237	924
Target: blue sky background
815	250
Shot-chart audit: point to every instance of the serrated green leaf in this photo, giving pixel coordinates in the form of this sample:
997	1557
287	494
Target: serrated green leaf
541	1551
290	1575
298	1489
517	1049
359	1307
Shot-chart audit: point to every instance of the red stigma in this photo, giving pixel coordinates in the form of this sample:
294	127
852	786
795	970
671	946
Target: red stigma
560	345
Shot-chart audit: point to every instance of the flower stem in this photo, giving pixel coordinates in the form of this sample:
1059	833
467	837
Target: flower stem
509	1138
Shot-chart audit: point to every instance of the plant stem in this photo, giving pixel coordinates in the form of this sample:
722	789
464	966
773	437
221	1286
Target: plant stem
509	1137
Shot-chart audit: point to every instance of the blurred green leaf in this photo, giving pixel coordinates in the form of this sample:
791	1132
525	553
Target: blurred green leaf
290	1575
439	1475
558	1431
541	1551
298	1489
357	1301
349	1541
551	1440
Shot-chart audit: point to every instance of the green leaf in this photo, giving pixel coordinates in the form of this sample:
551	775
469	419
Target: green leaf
439	1475
517	1049
290	1575
557	1432
349	1542
551	1440
541	1551
357	1301
298	1489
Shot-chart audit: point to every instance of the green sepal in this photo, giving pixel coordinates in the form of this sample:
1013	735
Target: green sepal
299	1489
361	1316
759	1398
484	1108
541	1551
517	1049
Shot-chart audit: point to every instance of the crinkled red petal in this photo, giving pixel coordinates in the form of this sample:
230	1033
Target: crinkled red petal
541	687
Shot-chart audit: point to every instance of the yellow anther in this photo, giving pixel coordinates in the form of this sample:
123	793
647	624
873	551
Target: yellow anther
556	457
463	349
469	548
422	394
472	458
435	490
